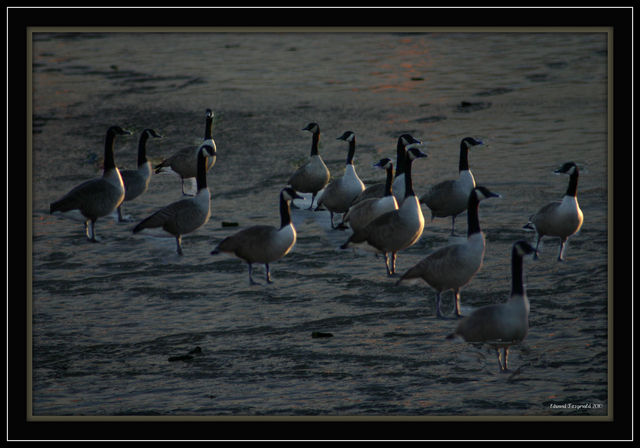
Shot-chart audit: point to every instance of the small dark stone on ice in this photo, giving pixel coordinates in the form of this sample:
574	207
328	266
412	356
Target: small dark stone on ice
181	358
417	78
229	224
318	334
195	350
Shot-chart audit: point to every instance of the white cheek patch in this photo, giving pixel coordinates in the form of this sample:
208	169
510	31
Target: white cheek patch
572	170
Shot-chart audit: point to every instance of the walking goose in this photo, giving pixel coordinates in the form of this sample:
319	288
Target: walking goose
262	243
96	197
504	324
450	197
398	229
561	218
339	194
184	162
188	214
453	266
365	211
136	182
314	175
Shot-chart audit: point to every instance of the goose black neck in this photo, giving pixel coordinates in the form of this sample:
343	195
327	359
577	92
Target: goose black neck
314	143
142	149
109	161
572	189
517	287
389	182
285	212
408	185
473	223
401	159
464	157
201	174
208	128
352	151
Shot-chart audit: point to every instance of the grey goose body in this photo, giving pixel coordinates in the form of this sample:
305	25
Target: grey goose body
98	197
263	243
314	175
452	267
449	198
501	325
136	182
184	161
340	193
399	229
186	215
563	218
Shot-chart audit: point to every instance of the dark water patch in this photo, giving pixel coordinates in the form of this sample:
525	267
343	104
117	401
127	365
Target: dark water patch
431	119
472	106
538	77
494	91
557	64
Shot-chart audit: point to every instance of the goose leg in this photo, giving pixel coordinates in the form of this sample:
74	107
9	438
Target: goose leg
393	263
313	197
506	357
91	230
120	219
266	265
499	359
438	312
251	281
561	252
535	254
456	293
386	263
179	244
453	225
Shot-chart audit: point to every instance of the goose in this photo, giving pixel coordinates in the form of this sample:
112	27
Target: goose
136	182
96	197
339	194
184	161
398	229
561	218
314	175
449	198
188	214
504	324
263	243
453	266
365	211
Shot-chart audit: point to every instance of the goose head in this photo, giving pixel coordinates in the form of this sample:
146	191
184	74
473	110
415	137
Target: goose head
289	194
482	193
312	127
117	130
207	150
384	163
408	141
209	114
470	141
523	248
151	133
414	153
347	136
567	168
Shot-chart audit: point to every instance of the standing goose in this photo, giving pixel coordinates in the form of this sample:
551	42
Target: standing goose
136	182
561	218
398	229
96	197
340	193
365	211
262	243
188	214
184	162
453	266
504	324
314	175
449	198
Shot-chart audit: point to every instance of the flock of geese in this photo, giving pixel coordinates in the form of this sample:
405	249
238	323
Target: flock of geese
385	217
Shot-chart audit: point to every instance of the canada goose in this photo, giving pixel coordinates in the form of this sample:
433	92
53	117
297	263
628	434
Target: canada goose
314	175
561	218
136	182
339	194
398	229
449	198
453	266
365	211
96	197
188	214
262	243
504	324
184	161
